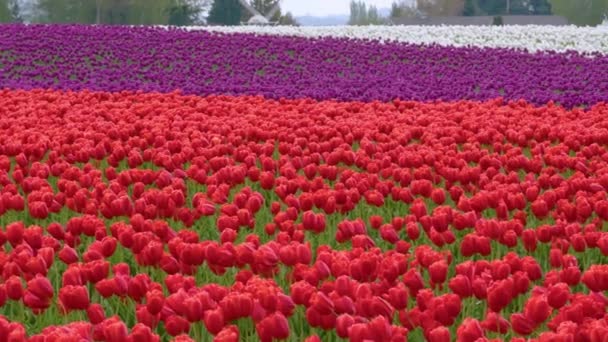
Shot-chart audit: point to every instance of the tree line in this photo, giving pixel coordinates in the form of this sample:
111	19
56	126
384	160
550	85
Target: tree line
578	12
230	12
136	12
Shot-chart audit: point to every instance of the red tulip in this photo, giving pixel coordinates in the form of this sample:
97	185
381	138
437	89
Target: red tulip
494	322
141	332
438	196
343	324
228	334
438	272
274	326
439	334
521	324
558	295
540	208
388	233
529	240
74	297
14	288
14	233
214	321
115	332
95	313
470	330
500	294
461	285
313	338
40	287
68	255
176	325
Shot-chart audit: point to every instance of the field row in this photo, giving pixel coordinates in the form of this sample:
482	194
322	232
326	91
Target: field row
589	40
146	217
203	63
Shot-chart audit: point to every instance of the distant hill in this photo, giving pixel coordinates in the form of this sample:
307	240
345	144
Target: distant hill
332	20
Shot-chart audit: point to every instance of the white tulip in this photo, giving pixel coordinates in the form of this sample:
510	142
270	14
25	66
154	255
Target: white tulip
531	38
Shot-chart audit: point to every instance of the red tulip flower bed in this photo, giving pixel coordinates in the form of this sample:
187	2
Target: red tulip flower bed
149	217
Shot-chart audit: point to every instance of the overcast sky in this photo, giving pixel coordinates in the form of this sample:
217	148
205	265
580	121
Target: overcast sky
325	7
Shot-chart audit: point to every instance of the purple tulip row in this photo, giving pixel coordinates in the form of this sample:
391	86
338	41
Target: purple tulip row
156	59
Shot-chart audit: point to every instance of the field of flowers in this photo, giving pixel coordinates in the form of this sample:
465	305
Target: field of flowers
159	184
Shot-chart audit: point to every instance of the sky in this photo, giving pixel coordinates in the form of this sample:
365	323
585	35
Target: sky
325	7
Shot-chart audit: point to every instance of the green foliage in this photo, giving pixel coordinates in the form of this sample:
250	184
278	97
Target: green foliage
492	7
541	6
65	11
288	20
15	11
581	12
10	11
401	9
183	15
372	15
361	15
506	7
5	13
125	12
469	8
225	12
396	10
440	7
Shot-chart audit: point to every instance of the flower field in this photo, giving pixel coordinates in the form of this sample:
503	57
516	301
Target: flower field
188	185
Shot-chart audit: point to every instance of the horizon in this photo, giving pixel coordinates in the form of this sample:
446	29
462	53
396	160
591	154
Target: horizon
324	8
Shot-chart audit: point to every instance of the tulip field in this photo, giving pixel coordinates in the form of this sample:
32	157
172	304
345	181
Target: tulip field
163	184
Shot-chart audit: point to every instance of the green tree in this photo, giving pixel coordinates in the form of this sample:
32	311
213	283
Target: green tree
581	12
506	7
518	7
355	15
396	10
372	15
493	7
15	11
401	9
225	12
440	7
5	12
183	13
141	12
288	20
358	13
541	7
65	11
131	12
469	8
118	12
363	12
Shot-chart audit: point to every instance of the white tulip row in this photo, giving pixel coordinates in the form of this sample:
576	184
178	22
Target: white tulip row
531	38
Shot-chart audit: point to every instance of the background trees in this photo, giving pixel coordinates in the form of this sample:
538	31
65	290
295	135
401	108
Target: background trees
579	12
361	14
230	12
225	12
136	12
